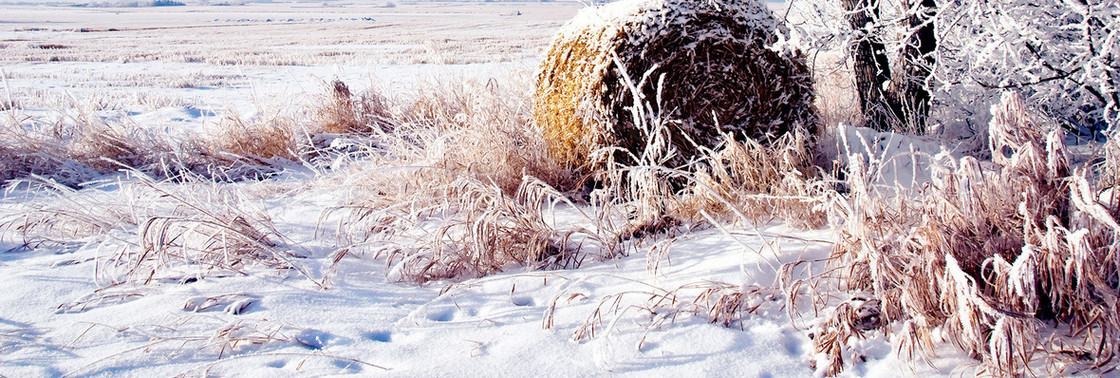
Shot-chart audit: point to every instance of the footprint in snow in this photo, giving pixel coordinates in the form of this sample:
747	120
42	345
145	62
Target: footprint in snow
442	315
791	341
314	339
348	367
523	301
380	336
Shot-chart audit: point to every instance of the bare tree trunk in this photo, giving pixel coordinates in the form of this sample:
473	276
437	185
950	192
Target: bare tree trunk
905	104
872	69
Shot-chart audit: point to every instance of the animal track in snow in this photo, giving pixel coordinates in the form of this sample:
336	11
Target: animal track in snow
442	315
380	336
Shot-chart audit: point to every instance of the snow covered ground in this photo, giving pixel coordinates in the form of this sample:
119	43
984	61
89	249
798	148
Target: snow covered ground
60	319
211	60
185	67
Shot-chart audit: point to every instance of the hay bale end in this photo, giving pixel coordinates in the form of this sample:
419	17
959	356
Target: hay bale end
720	69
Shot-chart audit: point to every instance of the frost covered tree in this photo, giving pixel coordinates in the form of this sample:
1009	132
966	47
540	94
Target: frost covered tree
1061	56
954	59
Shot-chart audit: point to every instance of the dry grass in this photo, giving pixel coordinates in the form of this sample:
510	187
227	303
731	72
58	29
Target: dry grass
68	216
160	230
446	184
1109	168
463	154
226	339
458	189
28	153
986	251
451	182
485	129
837	101
205	230
702	64
759	183
483	231
259	140
81	148
714	302
459	180
342	113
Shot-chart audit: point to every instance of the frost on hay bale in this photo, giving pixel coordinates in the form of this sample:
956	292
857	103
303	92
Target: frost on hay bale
721	72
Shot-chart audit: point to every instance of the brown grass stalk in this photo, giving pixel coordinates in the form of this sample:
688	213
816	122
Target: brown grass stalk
985	252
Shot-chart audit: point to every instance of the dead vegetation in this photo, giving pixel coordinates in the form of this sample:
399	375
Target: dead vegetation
984	254
342	113
720	303
1109	168
459	189
451	182
463	184
202	234
456	182
220	339
484	231
752	182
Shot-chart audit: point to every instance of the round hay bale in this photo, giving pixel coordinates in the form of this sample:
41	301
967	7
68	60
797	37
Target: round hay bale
717	59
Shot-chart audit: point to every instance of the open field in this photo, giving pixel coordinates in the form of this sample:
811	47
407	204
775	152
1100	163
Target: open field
207	60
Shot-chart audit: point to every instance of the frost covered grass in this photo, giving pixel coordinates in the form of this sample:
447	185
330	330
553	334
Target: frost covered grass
278	35
406	213
982	257
448	184
367	227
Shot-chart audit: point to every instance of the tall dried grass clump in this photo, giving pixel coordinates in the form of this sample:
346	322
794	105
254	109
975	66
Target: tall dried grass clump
1110	167
343	112
760	182
80	148
487	132
111	147
706	65
484	231
452	129
985	252
67	217
197	230
24	153
166	230
258	140
458	189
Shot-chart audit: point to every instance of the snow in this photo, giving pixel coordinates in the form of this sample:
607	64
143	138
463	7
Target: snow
898	159
61	316
58	319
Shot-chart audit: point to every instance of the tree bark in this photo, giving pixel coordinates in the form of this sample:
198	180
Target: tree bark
870	63
903	103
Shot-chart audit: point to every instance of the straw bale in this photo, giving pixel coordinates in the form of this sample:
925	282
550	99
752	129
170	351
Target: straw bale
718	64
